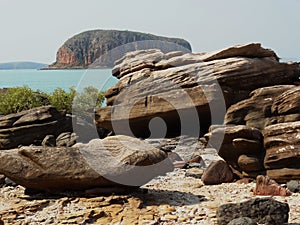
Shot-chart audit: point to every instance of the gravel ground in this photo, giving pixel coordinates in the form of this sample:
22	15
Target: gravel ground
172	199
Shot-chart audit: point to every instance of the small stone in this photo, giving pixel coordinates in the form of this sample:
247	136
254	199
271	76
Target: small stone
217	173
182	219
198	217
293	186
242	221
194	172
146	217
170	217
268	187
213	215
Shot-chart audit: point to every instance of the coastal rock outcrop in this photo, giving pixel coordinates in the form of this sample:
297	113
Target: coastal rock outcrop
240	146
267	106
186	90
32	126
103	47
100	163
282	143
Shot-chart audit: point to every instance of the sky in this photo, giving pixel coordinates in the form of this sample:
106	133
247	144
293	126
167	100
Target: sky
33	30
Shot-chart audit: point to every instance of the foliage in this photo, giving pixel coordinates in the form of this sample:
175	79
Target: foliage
17	99
87	100
61	99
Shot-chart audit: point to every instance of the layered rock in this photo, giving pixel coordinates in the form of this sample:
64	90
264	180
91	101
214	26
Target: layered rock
103	47
187	89
31	126
282	143
267	106
240	146
114	161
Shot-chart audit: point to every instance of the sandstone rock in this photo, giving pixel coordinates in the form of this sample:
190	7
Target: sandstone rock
235	141
266	186
266	106
242	221
104	47
184	146
217	173
256	110
31	126
261	210
282	145
114	161
49	141
66	139
183	88
250	163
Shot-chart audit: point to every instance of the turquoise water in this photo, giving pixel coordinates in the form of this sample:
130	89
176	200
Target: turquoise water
48	80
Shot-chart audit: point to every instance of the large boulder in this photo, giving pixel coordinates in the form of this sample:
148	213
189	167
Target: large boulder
185	89
282	143
32	126
114	161
240	146
261	210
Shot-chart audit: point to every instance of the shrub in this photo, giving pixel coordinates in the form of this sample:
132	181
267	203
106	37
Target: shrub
61	99
17	99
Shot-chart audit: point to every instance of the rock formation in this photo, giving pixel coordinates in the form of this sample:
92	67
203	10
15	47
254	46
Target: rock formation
102	47
101	163
32	126
261	210
186	90
282	143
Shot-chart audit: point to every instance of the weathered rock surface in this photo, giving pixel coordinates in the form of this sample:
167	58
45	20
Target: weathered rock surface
240	146
261	210
266	186
282	143
217	173
104	47
242	221
101	163
31	126
182	90
256	110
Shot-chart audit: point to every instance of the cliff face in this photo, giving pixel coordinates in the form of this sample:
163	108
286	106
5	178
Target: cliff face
103	47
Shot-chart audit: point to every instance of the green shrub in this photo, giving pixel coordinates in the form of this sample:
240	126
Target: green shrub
87	100
17	99
61	99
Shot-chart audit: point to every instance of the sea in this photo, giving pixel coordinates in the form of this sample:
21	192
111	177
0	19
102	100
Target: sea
48	80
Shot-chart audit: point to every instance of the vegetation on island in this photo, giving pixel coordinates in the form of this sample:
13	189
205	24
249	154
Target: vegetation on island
17	99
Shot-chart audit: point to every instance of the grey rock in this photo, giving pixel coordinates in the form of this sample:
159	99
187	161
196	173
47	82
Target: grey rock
262	210
293	186
242	221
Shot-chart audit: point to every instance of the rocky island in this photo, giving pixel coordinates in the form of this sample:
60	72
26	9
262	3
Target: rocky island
82	50
192	138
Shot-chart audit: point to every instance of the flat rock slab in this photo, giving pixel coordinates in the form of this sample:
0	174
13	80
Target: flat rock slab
117	160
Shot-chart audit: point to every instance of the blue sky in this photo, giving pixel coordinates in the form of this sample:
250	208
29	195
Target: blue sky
33	30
